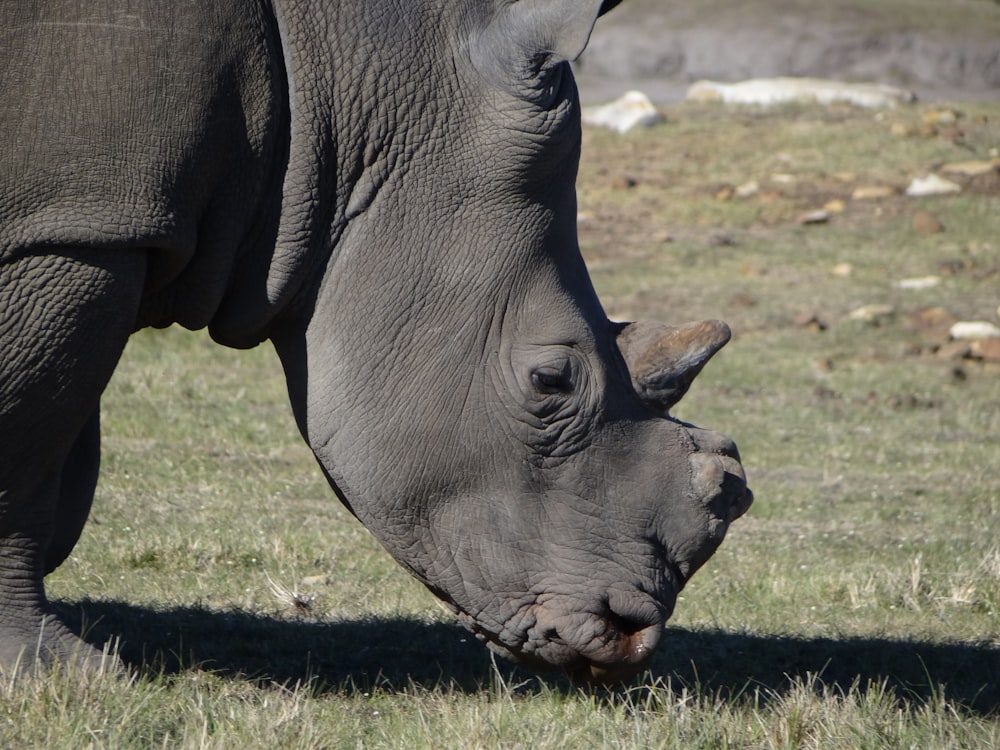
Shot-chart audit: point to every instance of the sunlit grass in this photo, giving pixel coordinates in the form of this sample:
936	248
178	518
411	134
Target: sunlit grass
856	606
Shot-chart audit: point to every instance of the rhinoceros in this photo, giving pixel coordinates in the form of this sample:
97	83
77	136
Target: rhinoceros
384	189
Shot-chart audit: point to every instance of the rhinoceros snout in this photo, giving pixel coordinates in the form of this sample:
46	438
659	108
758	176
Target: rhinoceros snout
605	645
627	651
628	638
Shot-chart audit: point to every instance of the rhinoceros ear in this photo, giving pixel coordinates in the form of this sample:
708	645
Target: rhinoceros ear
663	360
524	31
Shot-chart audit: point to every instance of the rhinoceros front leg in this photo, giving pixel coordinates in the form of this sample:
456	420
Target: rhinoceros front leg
77	482
65	316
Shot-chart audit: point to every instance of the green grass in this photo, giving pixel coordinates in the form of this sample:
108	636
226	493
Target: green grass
856	606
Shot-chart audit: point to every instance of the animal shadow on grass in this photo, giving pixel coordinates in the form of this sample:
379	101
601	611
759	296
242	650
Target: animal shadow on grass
918	672
399	653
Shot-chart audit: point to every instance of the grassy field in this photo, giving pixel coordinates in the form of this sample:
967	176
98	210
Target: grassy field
856	606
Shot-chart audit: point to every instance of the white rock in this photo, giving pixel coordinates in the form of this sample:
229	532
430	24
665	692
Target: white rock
974	329
632	110
932	184
820	216
971	168
770	91
923	282
872	192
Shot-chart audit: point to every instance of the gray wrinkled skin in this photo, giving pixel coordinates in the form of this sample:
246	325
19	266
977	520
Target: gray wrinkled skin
385	190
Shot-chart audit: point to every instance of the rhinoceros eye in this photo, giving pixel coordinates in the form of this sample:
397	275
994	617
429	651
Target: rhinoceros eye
550	380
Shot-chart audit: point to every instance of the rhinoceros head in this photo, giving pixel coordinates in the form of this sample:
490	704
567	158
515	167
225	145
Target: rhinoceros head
456	376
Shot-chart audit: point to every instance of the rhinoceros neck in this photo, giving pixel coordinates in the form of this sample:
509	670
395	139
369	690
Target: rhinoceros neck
346	100
294	238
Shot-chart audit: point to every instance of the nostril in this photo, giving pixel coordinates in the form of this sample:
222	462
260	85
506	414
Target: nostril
636	640
637	622
741	503
629	643
624	626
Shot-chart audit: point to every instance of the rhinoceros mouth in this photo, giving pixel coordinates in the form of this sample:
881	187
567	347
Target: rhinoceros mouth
616	656
597	649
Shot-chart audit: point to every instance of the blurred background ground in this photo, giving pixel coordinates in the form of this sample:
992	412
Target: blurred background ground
943	50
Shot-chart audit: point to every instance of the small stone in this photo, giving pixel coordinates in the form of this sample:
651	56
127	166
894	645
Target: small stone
929	318
632	110
904	130
820	216
925	222
747	189
941	116
987	350
971	168
932	184
811	320
974	329
873	314
954	266
622	182
843	270
872	192
835	206
922	282
932	323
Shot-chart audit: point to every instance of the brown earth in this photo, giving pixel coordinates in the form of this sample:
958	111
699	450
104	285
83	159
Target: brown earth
940	50
792	217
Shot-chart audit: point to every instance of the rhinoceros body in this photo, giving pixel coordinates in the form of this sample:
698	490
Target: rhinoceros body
385	190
